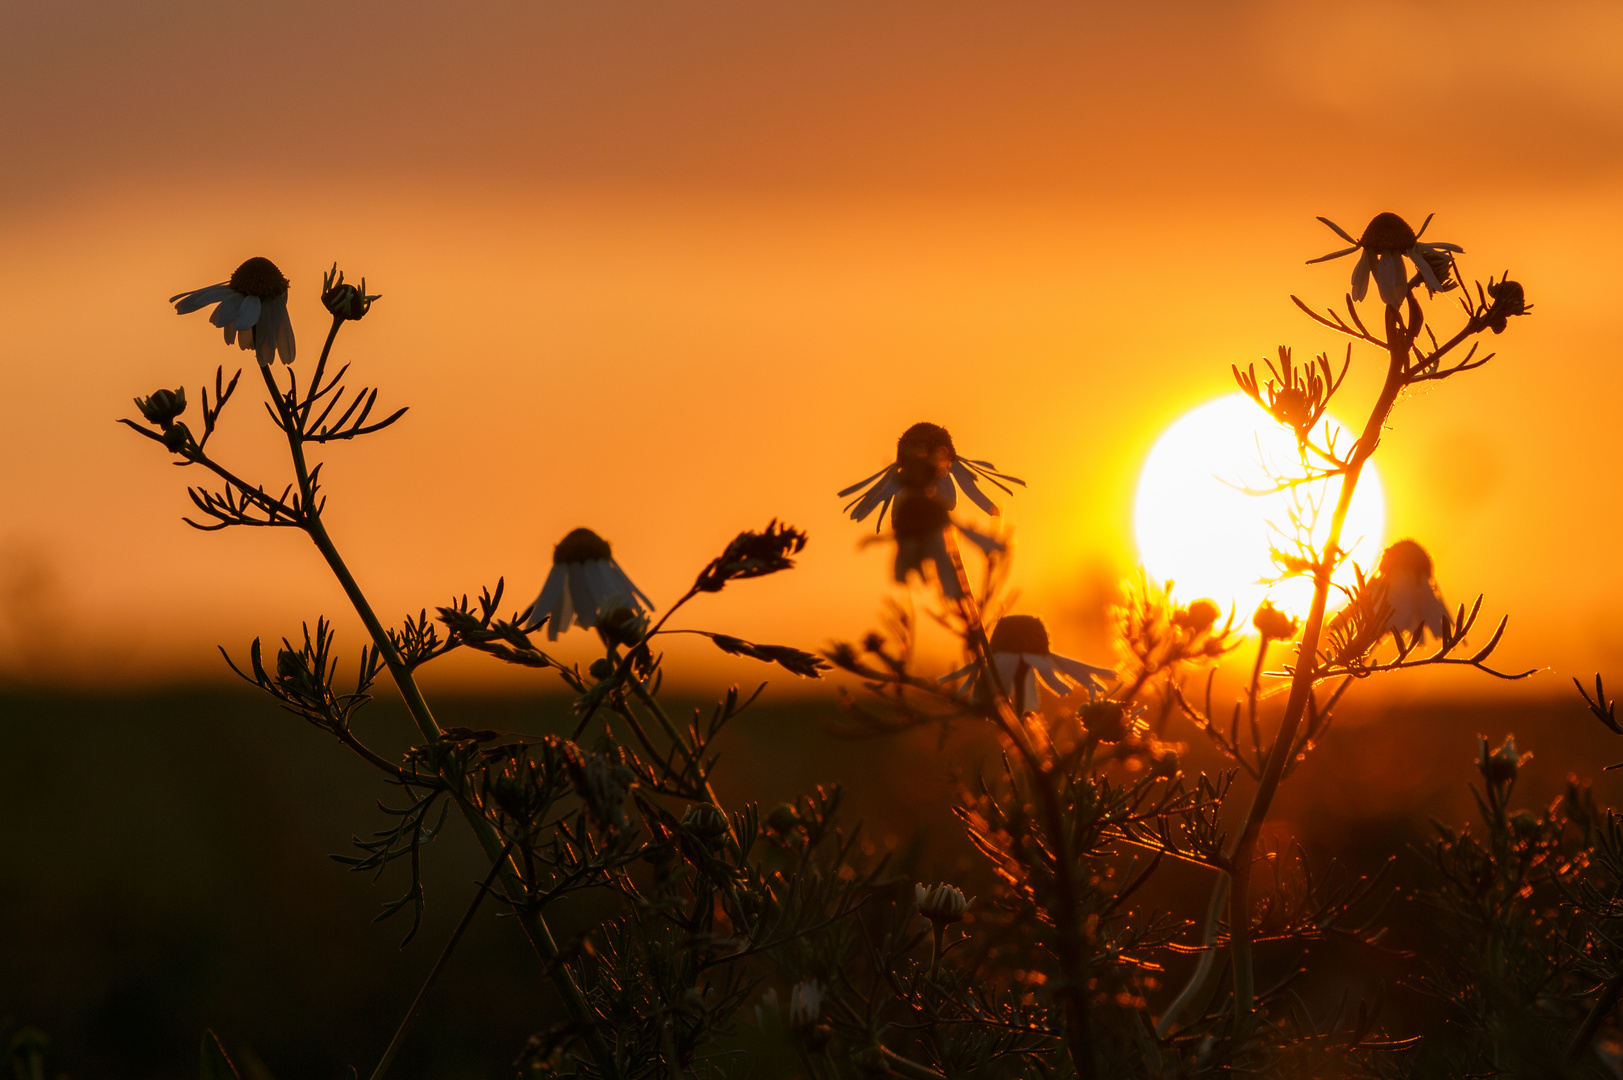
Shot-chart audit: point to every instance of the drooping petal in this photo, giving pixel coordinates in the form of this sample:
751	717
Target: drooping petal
188	302
1389	278
981	540
966	480
1423	264
226	313
624	586
247	312
987	471
551	590
878	496
1333	255
284	336
1083	674
860	484
1360	277
1043	664
580	591
563	612
946	573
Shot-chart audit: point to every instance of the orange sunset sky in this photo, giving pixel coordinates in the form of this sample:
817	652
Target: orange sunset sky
672	269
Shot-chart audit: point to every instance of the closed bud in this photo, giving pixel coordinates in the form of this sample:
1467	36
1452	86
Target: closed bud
345	301
163	406
783	818
1198	617
601	668
1499	766
1106	721
705	820
176	438
1272	623
805	1005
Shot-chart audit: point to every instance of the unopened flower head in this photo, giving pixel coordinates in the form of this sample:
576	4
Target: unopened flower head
926	461
1107	721
1021	655
922	525
1197	617
942	904
805	1004
345	301
163	406
1508	299
706	819
1272	623
1386	242
1501	765
251	308
585	584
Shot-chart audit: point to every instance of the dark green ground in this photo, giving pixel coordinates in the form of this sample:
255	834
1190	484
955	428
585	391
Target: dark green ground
163	865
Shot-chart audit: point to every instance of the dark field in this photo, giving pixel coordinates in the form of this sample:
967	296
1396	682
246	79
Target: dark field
163	865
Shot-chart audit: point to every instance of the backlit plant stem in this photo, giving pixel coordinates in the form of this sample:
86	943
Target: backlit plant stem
535	926
1305	676
1068	945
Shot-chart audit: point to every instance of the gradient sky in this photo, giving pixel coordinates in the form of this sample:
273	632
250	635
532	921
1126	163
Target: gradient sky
669	270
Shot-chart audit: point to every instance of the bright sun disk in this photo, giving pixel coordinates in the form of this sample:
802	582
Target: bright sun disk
1195	528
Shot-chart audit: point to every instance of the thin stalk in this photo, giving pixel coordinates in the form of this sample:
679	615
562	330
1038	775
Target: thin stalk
1068	945
439	965
1304	678
535	926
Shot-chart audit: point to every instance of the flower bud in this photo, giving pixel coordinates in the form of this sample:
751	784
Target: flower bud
176	438
942	904
1508	299
1272	623
1501	765
163	406
705	820
1106	721
601	668
1198	617
345	301
783	818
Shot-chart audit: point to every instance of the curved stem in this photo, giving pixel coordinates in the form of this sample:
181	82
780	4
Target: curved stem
1304	677
535	926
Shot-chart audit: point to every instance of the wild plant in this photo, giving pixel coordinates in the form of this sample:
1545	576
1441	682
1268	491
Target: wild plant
714	919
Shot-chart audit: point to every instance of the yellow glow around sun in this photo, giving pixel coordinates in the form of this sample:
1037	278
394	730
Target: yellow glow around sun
1194	528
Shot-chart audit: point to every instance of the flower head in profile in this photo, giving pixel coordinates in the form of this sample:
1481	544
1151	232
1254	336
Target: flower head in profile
941	904
1020	653
805	1004
584	586
926	460
1399	598
1508	299
922	526
251	308
1387	241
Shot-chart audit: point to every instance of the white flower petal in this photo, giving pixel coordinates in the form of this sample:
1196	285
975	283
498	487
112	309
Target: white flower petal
247	312
188	302
552	591
226	313
1043	665
1360	277
966	480
860	484
1083	674
580	592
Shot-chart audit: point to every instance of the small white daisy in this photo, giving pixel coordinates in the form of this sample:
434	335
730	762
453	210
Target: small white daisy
584	585
1020	652
928	446
251	309
805	1004
1386	242
1403	588
920	524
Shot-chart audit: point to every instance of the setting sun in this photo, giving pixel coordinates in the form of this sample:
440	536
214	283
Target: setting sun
1195	527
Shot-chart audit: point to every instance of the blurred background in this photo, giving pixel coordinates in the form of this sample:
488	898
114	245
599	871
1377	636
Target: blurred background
669	271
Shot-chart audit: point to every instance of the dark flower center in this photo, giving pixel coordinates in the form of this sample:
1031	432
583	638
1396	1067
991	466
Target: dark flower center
1387	233
918	515
1020	634
258	277
923	441
582	545
1406	557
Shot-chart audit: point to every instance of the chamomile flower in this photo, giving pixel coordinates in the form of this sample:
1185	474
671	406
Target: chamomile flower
928	445
1020	653
584	585
1386	242
921	525
251	308
1399	598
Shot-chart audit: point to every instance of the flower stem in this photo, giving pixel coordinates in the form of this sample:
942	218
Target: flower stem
1304	677
535	926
